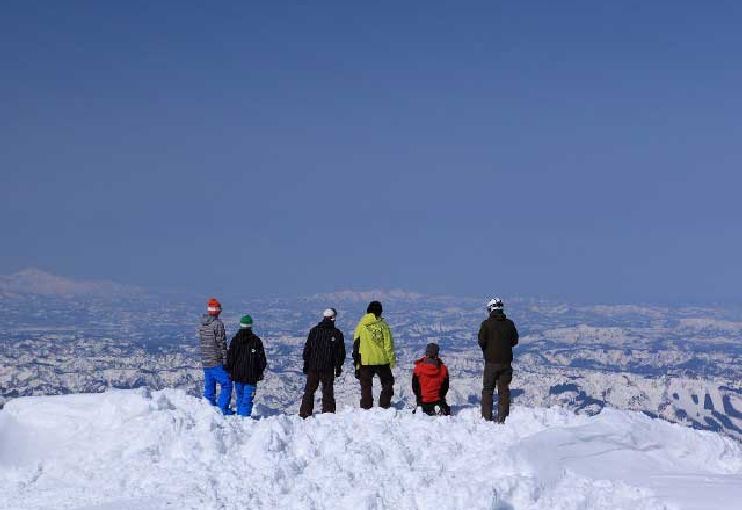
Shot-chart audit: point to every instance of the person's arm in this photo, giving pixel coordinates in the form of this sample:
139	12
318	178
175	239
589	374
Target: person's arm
444	384
221	341
482	337
389	346
306	353
340	354
357	353
230	356
262	361
416	388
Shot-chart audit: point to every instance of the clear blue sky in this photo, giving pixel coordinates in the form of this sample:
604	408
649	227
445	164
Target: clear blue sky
581	150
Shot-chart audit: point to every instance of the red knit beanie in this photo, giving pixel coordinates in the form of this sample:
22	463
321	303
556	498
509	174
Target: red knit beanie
214	307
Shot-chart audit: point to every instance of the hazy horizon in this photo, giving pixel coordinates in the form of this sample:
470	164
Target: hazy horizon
227	294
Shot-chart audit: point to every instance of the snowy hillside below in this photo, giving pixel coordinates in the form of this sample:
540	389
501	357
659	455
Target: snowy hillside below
132	449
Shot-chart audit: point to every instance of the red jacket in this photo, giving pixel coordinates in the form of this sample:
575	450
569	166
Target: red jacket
430	379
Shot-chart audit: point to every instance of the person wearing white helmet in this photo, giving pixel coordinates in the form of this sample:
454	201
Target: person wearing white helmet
324	355
497	337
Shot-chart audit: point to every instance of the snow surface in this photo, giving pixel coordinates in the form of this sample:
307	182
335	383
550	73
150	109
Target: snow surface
135	449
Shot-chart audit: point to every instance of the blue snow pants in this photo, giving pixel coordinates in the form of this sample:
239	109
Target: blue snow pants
213	375
245	396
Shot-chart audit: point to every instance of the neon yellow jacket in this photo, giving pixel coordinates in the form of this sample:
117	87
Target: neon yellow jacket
375	342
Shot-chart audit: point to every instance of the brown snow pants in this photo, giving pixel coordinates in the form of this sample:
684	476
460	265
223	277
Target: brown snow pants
499	375
366	377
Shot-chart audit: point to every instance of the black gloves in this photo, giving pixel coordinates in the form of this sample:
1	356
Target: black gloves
305	369
358	373
261	377
338	371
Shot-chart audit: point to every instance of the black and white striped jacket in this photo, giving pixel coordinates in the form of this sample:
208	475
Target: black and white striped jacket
325	347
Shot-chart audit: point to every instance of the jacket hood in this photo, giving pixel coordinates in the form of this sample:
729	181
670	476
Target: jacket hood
326	324
498	314
428	365
207	319
369	318
244	335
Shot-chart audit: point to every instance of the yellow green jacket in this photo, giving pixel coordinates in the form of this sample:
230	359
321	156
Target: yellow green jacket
373	343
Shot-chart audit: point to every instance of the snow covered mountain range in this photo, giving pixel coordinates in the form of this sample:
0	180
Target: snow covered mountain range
681	364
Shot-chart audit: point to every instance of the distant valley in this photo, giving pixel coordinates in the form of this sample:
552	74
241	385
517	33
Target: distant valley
681	364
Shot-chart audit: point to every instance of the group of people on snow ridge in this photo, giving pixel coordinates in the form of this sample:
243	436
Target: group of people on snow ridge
244	363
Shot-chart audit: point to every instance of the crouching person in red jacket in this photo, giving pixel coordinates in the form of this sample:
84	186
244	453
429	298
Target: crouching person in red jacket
430	382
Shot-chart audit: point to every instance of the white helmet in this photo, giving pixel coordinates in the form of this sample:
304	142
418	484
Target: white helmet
495	304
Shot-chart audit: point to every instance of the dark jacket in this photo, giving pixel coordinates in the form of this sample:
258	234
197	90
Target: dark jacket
213	341
497	337
430	380
246	358
325	347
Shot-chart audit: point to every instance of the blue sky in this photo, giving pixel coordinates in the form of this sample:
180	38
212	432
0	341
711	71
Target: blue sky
570	150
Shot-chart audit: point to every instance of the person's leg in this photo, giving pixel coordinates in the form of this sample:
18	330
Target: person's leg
249	397
328	394
505	377
209	386
367	384
225	392
488	390
429	408
387	385
307	401
239	393
445	408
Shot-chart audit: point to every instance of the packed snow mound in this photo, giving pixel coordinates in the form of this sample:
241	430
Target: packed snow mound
135	449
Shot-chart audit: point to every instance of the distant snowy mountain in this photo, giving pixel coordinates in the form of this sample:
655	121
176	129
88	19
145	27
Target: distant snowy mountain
364	296
35	281
136	450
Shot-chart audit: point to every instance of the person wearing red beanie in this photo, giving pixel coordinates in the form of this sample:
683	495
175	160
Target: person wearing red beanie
213	342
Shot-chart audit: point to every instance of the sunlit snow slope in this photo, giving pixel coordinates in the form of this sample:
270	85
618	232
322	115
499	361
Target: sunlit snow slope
135	450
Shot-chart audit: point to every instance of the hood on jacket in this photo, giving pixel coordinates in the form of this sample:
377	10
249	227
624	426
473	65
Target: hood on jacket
243	335
498	315
428	365
369	318
326	323
207	319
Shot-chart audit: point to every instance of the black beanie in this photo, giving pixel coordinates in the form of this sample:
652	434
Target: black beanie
374	307
432	350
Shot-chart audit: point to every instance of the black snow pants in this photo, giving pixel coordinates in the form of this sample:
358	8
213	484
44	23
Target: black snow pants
314	377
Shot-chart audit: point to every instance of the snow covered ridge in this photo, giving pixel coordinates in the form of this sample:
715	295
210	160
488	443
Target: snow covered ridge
132	449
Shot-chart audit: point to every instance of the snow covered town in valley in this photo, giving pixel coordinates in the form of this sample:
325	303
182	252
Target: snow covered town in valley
613	407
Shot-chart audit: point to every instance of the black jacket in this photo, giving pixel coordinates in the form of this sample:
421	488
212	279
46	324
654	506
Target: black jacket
497	337
246	357
325	347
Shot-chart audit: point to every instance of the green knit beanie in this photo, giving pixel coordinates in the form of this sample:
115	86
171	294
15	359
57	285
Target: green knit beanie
246	322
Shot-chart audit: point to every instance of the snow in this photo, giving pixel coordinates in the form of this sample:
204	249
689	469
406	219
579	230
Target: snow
135	449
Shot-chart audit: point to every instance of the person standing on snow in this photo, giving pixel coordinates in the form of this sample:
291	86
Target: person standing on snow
324	355
497	337
430	382
373	354
213	342
246	364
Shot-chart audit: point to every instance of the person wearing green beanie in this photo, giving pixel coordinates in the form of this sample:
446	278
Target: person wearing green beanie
246	365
